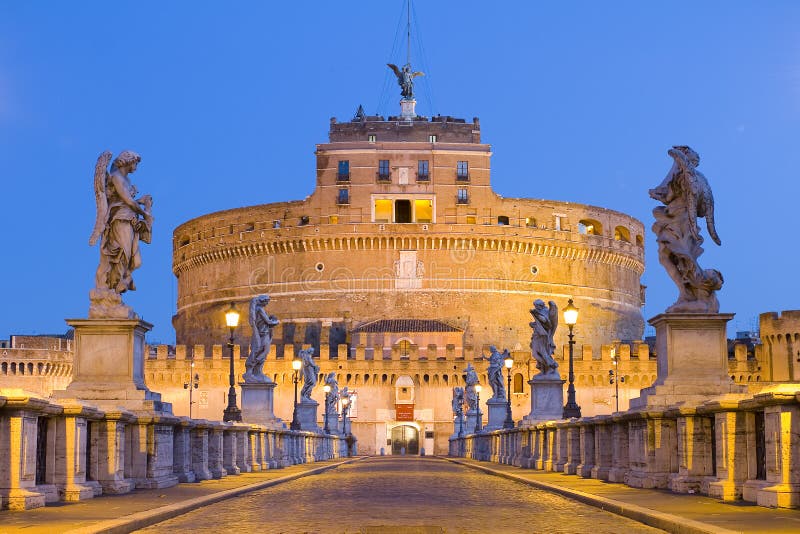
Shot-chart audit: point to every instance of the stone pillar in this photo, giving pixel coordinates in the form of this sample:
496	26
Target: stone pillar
158	452
587	430
109	462
603	446
561	449
620	457
782	433
692	353
243	460
229	449
307	415
731	455
200	450
695	455
573	449
653	451
182	450
216	451
18	431
550	448
70	459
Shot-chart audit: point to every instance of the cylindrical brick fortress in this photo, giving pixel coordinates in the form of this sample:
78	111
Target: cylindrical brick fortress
403	224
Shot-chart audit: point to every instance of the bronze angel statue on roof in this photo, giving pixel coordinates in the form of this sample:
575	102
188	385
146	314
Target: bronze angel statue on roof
686	196
122	221
405	79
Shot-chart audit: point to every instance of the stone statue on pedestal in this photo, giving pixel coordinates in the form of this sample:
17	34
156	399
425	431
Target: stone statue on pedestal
333	395
686	196
544	324
470	381
495	372
122	221
310	372
260	341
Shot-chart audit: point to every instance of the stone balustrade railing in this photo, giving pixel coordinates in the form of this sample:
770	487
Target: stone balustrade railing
67	451
748	448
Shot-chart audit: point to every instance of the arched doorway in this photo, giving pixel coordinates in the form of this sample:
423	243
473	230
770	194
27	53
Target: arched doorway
405	436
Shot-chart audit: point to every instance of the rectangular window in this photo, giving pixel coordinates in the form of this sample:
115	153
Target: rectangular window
344	196
431	138
423	210
471	219
462	171
333	219
463	196
422	171
371	138
383	210
344	170
383	169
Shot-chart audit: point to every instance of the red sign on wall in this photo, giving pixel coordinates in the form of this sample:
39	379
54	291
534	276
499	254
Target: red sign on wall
404	412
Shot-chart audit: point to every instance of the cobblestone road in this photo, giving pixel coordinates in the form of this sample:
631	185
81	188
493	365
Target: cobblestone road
406	495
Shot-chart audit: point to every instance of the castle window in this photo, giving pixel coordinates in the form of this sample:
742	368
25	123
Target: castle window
333	219
622	234
462	171
422	171
276	223
590	227
344	196
530	222
471	219
343	173
371	138
502	220
383	170
518	383
383	210
639	241
431	138
304	220
423	211
463	196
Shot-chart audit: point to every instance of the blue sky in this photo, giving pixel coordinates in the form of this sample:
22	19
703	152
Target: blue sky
225	102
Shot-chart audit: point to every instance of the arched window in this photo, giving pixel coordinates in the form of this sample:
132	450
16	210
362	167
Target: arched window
590	227
502	220
622	234
639	240
518	383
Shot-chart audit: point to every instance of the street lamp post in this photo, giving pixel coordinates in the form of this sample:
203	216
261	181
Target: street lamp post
613	376
570	318
509	422
296	365
478	416
327	389
191	385
232	413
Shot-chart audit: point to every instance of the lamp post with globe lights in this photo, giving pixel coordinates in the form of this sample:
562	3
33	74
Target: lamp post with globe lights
296	365
571	409
232	413
509	422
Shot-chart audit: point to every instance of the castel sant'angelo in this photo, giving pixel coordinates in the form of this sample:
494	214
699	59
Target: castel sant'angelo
403	265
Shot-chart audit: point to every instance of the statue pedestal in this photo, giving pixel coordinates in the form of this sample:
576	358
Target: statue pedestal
257	405
547	399
692	353
407	109
497	414
459	427
108	368
333	423
307	415
472	419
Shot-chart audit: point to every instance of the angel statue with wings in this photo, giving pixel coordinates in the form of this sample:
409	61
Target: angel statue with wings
122	221
544	324
405	79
